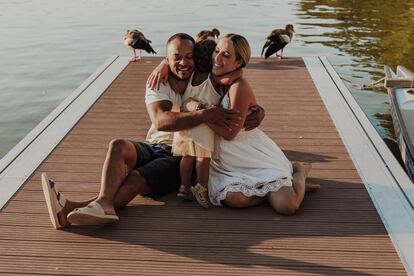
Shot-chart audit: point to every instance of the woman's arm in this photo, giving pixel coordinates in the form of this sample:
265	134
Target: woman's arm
241	98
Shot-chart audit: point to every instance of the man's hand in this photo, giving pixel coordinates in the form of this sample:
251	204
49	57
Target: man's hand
223	117
158	76
255	118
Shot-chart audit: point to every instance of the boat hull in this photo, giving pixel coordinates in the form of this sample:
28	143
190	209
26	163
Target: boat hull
403	139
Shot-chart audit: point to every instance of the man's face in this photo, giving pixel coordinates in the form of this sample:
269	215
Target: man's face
180	58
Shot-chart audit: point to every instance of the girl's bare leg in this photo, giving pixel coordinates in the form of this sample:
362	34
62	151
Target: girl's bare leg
203	170
200	190
186	171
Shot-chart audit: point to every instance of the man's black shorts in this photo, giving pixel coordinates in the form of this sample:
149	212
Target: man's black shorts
159	167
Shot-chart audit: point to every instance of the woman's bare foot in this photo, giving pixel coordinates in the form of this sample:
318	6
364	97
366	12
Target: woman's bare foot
311	187
305	168
302	167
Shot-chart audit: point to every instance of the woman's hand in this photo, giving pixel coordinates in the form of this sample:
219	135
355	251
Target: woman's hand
255	118
158	76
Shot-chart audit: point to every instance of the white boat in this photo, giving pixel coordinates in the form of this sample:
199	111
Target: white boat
400	87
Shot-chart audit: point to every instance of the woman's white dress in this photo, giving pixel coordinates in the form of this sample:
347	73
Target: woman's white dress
251	163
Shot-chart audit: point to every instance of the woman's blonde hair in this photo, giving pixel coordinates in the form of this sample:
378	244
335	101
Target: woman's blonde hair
241	47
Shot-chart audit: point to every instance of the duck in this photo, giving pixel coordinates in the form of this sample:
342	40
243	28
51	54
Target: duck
277	40
134	40
212	34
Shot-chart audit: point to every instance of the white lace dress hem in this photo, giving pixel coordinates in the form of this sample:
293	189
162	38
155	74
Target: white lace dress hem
259	189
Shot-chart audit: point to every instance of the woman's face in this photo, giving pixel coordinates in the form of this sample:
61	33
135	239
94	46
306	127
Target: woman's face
224	57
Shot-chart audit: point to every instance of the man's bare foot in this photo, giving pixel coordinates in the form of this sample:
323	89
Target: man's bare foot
106	205
62	215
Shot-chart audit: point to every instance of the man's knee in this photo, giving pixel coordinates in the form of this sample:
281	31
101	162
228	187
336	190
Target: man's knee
124	149
117	146
236	200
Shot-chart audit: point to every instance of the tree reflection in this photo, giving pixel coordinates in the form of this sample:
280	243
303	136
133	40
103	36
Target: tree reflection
377	32
372	33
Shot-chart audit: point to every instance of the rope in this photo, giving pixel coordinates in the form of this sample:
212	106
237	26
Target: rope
364	86
371	85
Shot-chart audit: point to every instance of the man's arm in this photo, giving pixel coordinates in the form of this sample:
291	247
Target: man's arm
166	120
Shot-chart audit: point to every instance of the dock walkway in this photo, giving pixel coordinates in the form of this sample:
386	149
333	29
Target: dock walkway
338	230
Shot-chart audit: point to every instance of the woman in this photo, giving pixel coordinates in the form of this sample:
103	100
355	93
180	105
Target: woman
250	168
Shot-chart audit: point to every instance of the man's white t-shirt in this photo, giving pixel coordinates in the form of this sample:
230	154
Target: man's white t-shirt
164	94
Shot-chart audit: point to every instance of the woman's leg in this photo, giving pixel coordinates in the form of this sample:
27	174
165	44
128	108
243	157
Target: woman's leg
287	200
239	200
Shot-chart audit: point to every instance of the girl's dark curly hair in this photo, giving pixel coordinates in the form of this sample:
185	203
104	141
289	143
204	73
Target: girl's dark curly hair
203	54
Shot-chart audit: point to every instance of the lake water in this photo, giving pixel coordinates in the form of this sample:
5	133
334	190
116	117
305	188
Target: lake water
48	48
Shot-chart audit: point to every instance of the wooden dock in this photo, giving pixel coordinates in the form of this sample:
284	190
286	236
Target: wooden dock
338	230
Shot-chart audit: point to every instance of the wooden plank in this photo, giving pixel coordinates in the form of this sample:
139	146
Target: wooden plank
154	267
336	232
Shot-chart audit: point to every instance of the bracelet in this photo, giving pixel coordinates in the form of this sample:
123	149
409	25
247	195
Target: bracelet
200	106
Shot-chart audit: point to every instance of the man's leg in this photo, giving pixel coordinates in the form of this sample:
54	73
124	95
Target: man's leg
120	160
133	185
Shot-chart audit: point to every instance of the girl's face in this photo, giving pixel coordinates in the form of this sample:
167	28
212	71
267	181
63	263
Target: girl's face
224	58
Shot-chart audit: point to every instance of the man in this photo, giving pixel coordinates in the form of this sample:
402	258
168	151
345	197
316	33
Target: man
145	168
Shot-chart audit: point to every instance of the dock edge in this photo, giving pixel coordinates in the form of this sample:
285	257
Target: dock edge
23	159
389	187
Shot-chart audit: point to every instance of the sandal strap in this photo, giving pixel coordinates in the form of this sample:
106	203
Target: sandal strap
60	197
201	194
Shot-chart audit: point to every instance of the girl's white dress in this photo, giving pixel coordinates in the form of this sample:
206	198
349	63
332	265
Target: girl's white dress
251	163
200	140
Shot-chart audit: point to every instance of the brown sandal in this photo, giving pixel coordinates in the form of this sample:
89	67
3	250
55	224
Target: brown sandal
185	193
201	195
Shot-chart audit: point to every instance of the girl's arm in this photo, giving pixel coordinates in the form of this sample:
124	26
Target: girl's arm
229	78
241	98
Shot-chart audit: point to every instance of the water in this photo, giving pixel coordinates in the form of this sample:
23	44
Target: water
50	47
